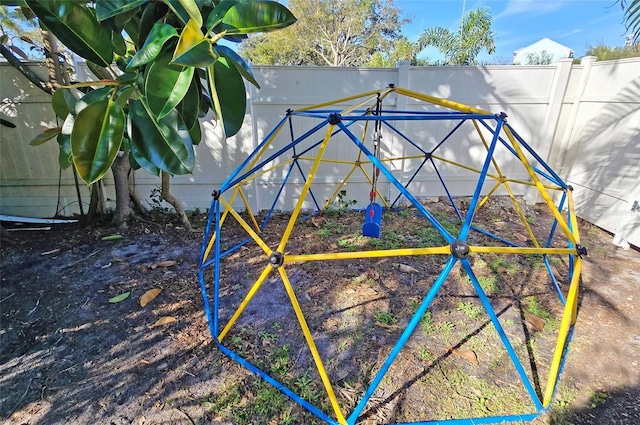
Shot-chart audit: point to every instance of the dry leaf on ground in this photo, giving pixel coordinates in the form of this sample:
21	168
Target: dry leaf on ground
167	263
149	296
535	321
164	321
467	354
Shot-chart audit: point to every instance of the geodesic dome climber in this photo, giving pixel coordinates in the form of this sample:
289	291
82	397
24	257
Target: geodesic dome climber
440	166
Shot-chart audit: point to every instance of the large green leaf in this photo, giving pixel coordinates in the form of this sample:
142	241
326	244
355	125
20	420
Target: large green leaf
99	71
76	27
137	160
165	143
151	14
189	110
96	138
238	62
259	16
65	159
90	97
45	136
192	10
193	48
228	94
107	8
118	44
59	104
165	85
152	47
218	12
177	8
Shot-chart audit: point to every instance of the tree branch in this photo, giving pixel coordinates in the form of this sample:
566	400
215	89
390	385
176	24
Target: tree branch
29	74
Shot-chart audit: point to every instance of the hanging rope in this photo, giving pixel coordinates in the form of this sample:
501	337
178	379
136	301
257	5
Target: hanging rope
377	136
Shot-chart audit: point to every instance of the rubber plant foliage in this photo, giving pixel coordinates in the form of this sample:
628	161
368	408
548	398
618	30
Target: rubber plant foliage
159	68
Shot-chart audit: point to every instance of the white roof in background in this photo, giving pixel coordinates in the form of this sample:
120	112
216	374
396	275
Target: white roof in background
546	42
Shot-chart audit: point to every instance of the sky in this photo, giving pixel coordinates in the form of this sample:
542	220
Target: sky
519	23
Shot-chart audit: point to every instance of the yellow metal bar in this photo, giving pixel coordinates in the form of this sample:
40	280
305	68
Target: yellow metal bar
522	217
466	167
328	161
248	228
486	198
213	236
268	170
263	276
486	146
340	186
568	318
572	217
536	180
446	249
442	102
305	190
248	208
338	101
312	345
520	250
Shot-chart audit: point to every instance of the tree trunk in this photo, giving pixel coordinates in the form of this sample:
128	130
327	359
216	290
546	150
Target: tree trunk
96	203
120	169
175	202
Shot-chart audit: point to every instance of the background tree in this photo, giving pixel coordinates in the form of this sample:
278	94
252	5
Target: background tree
539	58
631	18
403	50
330	32
607	53
462	47
159	68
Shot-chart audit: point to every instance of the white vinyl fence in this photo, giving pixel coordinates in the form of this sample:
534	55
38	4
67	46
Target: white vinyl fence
583	120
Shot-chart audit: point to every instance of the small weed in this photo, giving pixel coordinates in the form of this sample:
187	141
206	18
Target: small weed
389	240
341	204
280	360
426	355
412	305
429	236
487	283
426	323
499	265
597	399
306	388
445	328
385	318
471	310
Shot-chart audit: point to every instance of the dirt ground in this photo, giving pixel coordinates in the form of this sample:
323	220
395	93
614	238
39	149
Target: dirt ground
72	352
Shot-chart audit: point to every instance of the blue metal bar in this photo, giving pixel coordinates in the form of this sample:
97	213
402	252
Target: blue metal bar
446	189
225	185
555	221
406	186
556	285
448	135
207	231
278	385
454	116
492	236
505	340
229	184
415	320
229	251
524	144
399	133
295	160
562	363
513	151
483	175
478	421
445	234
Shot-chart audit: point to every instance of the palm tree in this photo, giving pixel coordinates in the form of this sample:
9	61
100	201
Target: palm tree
463	47
631	18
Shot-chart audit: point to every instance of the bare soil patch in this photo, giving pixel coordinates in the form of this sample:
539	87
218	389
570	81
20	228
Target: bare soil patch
68	355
